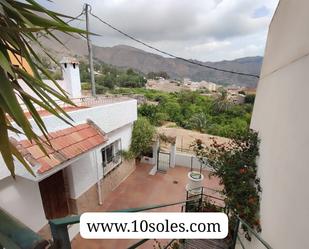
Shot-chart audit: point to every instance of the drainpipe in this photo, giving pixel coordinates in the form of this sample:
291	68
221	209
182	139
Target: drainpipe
98	179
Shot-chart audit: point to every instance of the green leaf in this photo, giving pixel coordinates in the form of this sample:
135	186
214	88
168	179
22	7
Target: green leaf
5	144
20	21
17	154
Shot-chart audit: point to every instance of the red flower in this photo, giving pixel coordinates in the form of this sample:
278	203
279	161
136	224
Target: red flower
251	200
243	170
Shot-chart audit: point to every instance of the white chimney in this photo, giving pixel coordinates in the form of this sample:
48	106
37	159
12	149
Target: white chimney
71	76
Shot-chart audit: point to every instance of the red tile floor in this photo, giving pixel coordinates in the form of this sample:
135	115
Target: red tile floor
140	190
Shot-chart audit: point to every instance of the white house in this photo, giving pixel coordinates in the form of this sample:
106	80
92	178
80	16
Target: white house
84	162
280	116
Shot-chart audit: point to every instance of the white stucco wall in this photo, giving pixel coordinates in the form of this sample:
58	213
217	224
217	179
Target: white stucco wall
281	117
21	198
71	78
109	117
183	159
83	173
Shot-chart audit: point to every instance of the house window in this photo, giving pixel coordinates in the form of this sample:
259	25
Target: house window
111	156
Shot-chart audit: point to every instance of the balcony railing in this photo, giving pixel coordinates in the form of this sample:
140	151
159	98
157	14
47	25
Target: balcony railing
85	102
241	223
193	203
99	100
15	235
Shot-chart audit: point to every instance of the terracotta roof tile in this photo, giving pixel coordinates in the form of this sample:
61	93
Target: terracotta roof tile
66	144
26	143
76	136
82	126
35	151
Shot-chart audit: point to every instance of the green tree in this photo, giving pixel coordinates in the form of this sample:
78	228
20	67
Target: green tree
101	89
250	98
142	135
153	75
193	111
173	110
149	111
130	71
84	72
107	81
222	102
20	21
198	122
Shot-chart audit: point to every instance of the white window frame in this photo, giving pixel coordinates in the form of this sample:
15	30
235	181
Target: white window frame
116	156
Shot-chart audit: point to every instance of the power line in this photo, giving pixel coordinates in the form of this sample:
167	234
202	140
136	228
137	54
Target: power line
67	22
64	44
169	54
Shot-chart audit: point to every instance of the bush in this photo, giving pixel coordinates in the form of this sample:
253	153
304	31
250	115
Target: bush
149	111
197	122
234	163
86	86
101	89
250	99
142	135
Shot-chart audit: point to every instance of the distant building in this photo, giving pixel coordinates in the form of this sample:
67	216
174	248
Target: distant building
187	81
212	86
249	91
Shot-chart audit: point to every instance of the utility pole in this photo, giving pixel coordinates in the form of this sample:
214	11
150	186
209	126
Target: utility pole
90	54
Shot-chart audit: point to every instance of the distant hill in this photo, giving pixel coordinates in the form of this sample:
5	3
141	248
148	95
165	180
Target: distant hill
129	57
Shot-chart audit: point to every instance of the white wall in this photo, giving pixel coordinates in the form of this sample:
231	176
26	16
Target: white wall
281	117
4	172
83	173
183	159
50	83
21	198
71	78
109	117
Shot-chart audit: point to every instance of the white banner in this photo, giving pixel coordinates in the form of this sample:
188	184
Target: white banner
154	225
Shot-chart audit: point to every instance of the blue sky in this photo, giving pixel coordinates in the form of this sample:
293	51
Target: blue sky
209	30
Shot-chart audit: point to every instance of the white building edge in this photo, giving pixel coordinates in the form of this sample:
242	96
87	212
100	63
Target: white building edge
280	116
85	178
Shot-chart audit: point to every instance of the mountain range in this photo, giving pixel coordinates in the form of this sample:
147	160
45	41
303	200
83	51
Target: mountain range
124	56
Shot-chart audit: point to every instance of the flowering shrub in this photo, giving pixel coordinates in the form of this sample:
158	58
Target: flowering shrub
235	165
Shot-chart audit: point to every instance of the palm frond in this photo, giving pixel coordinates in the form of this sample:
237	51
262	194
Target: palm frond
20	21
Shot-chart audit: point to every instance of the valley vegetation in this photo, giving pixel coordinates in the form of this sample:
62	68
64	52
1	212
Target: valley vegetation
108	77
215	115
191	110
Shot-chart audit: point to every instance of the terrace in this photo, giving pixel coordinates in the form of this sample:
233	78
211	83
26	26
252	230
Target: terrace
81	103
141	190
137	193
158	193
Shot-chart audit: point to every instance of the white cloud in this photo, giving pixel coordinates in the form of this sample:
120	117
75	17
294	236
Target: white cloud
208	46
199	29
